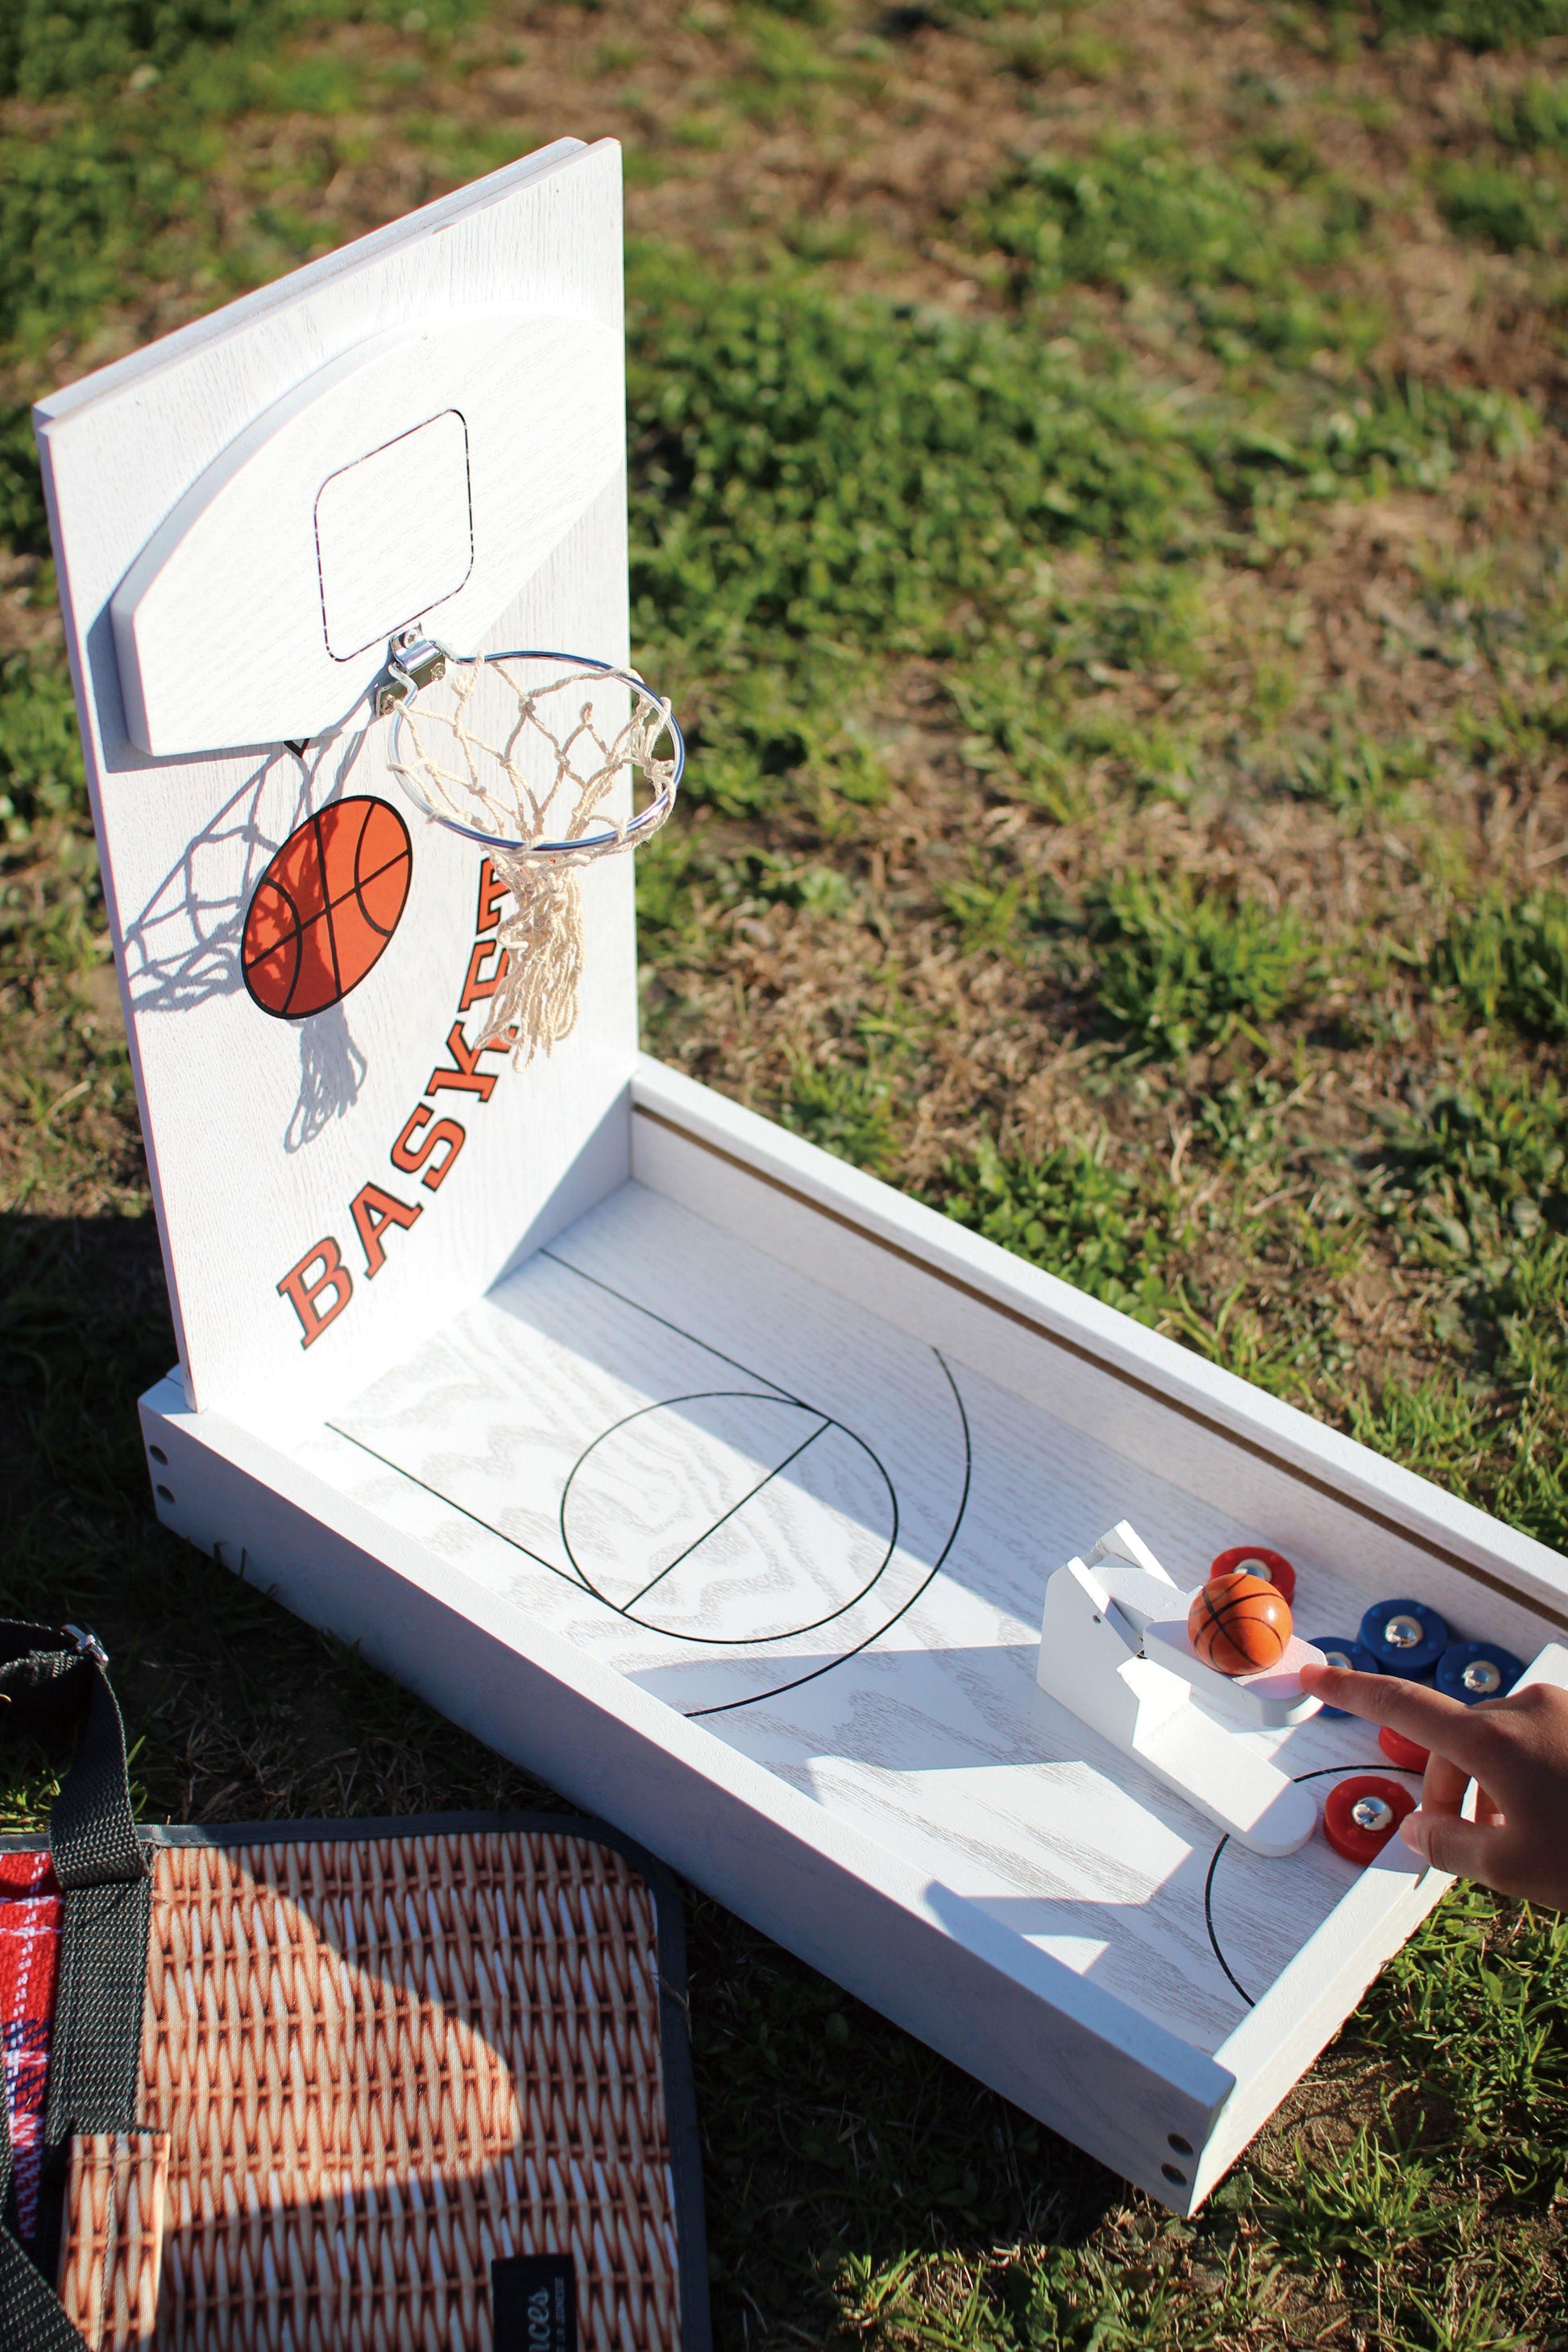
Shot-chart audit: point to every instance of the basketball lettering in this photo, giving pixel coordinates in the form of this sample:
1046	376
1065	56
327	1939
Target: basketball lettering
374	1211
323	913
412	1151
304	1285
492	891
465	1077
320	1285
481	983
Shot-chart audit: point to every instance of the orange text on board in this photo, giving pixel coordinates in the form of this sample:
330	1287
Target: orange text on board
319	1284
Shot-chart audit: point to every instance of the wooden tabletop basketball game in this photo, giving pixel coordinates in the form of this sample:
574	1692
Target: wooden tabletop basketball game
941	1620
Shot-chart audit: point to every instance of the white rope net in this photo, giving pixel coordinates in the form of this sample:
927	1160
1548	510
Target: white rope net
532	767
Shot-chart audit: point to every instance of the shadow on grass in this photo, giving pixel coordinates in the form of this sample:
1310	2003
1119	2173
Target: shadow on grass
832	2138
830	2133
236	1711
84	1328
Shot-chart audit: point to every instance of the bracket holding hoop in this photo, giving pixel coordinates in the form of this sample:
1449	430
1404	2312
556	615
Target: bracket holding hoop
413	662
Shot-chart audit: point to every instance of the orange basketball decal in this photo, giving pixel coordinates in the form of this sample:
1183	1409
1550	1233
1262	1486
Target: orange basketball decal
326	907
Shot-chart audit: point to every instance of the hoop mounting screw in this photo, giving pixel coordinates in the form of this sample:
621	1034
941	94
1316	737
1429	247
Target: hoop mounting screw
413	663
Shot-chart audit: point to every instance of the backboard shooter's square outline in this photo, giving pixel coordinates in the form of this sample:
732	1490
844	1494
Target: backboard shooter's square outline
596	1270
363	502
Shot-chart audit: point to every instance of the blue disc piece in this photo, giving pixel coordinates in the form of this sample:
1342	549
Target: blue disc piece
1341	1651
1405	1637
1473	1671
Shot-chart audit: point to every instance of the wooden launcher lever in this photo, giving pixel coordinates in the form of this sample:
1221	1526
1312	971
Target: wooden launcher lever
1115	1650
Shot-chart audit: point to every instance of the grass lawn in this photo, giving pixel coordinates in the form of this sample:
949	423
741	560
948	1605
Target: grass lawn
1099	497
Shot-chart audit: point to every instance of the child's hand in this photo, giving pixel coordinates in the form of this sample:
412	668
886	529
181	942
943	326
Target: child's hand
1516	1751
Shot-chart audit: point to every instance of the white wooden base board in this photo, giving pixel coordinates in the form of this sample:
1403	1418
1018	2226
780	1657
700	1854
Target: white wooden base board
731	1512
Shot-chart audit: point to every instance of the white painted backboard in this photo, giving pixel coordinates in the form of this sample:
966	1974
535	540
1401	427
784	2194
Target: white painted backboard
426	426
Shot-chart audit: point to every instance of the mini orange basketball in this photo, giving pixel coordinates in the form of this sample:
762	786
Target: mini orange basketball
326	907
1239	1623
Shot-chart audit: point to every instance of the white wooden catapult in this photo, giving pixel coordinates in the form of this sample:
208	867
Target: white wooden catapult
1115	1650
719	1484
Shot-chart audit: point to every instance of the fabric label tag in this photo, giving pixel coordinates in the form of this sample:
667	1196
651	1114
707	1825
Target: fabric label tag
533	2302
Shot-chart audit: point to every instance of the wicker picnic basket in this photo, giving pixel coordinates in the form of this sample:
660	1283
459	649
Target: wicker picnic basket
364	2086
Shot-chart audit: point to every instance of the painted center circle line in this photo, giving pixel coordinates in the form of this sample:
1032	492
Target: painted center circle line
806	1427
1324	1772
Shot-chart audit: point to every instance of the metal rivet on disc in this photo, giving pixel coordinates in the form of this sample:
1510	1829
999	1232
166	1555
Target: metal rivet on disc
1372	1813
1404	1632
1483	1676
1338	1658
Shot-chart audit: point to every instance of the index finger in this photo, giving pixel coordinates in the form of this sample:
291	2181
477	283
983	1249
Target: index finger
1425	1716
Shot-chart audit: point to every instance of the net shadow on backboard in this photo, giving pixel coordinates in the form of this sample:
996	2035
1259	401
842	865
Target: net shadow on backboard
331	1071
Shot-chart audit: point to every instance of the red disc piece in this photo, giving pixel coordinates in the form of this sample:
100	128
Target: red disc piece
1255	1559
1400	1750
1361	1814
325	911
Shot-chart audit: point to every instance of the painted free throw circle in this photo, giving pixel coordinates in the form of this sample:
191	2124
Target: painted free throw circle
321	916
730	1518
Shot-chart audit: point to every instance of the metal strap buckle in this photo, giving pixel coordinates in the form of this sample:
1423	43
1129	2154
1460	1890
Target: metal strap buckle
88	1645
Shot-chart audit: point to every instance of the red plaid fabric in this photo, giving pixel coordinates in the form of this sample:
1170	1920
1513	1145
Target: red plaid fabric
30	1912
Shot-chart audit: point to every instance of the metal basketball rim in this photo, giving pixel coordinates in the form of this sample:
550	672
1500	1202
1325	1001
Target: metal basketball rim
535	996
407	678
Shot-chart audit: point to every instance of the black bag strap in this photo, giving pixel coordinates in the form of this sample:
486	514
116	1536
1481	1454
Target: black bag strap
53	1681
32	2318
